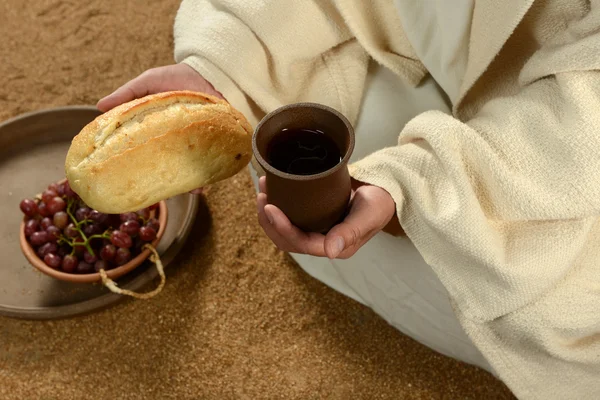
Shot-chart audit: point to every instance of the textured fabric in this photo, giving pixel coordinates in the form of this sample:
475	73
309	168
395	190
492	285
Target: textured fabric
501	198
439	32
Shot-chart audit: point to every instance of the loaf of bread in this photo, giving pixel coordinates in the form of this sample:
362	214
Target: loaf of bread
157	147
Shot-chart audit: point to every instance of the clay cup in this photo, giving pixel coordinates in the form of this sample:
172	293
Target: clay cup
313	203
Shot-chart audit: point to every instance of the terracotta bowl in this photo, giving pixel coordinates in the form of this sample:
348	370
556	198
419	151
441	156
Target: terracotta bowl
113	274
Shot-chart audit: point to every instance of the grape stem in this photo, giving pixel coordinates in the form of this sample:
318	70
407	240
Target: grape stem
86	241
105	235
85	221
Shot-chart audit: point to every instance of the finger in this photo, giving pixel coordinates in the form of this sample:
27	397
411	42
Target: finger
262	184
300	242
134	89
267	226
196	191
364	220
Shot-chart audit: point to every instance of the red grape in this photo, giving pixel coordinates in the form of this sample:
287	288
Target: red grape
39	238
123	256
153	223
98	217
85	268
61	220
69	263
59	188
130	227
45	223
43	209
93	229
48	195
121	239
29	207
82	213
46	249
52	260
147	233
63	250
100	264
69	192
31	226
144	213
56	204
88	258
71	231
108	252
53	233
128	217
153	207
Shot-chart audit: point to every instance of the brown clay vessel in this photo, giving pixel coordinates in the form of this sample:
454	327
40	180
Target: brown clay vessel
314	203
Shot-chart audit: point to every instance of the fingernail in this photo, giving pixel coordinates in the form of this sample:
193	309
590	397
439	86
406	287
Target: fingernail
269	216
338	246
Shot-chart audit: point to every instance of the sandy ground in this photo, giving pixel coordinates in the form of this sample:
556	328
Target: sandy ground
237	318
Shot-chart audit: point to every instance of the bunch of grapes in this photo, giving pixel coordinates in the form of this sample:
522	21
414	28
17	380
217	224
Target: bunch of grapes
71	237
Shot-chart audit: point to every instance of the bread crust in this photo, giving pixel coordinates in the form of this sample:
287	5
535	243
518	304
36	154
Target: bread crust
157	147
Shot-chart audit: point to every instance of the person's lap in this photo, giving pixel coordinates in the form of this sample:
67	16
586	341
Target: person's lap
388	274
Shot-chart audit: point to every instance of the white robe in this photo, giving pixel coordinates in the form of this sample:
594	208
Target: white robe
408	295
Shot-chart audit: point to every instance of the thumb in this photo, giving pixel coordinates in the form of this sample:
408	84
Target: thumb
134	89
365	219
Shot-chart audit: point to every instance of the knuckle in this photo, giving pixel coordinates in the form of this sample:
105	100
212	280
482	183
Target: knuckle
355	236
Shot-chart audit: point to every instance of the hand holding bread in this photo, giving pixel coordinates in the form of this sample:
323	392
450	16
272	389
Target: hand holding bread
158	80
156	147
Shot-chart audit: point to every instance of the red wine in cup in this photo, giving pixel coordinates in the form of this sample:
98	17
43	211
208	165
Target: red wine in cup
303	152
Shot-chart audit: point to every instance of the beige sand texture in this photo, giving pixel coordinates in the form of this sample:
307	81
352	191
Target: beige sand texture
237	319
